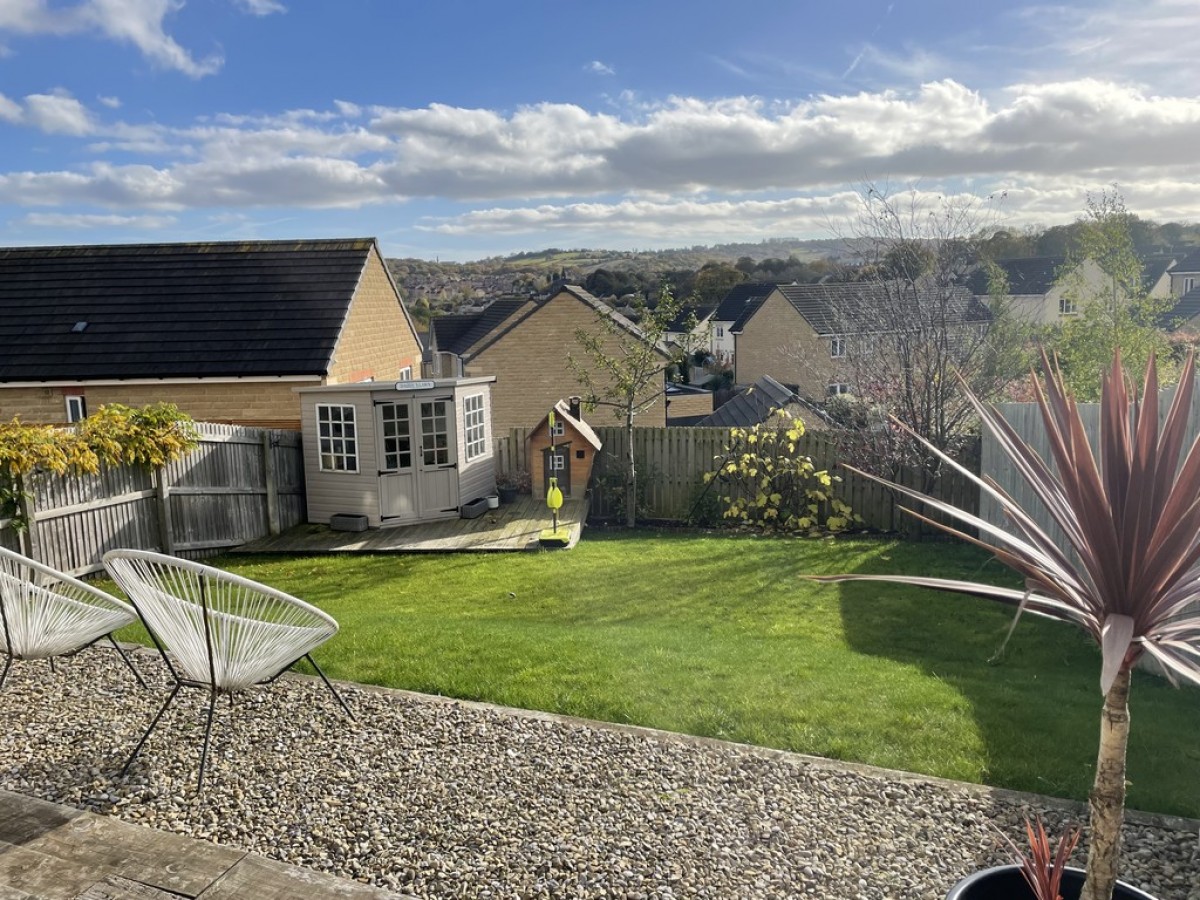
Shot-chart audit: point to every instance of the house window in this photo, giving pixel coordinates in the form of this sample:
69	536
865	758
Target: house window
76	408
337	438
406	374
1067	306
837	346
837	388
1188	284
475	426
720	332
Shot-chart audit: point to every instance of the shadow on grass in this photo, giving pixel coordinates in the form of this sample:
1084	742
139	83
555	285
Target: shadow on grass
1036	707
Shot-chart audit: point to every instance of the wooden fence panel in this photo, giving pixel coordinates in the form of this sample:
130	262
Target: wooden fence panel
672	463
238	484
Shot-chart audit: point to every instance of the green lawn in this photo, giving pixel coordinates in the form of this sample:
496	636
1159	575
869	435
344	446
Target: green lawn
719	636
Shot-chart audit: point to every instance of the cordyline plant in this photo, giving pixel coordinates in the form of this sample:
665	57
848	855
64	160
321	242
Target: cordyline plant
1131	514
1041	867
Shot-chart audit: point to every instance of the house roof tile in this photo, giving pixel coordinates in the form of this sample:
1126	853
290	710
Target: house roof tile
256	308
733	304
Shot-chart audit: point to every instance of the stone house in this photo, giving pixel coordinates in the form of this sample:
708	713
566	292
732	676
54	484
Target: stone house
805	336
526	344
224	330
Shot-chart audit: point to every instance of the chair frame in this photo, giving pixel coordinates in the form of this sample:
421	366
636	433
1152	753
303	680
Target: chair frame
211	685
46	579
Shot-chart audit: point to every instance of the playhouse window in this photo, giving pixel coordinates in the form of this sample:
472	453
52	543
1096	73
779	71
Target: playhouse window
559	429
558	462
337	438
475	426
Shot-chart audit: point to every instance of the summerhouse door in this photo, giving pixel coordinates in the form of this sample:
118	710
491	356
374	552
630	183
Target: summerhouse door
437	462
397	469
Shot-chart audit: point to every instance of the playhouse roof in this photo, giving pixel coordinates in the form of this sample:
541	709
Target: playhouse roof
582	428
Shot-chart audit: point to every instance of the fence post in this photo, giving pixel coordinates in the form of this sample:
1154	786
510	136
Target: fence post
271	477
162	496
30	546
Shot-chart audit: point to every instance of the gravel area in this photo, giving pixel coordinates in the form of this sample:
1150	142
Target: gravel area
441	799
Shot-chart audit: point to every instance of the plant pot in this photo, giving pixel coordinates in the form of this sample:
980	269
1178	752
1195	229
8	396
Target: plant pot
493	501
507	494
1007	883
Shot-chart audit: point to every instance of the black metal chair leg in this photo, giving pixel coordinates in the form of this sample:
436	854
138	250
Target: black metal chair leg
128	662
312	662
212	705
153	725
53	670
7	665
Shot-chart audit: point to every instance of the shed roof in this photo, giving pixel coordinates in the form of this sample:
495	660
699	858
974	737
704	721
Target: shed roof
752	406
245	308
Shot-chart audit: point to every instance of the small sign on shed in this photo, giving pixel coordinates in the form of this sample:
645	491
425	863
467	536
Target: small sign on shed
567	454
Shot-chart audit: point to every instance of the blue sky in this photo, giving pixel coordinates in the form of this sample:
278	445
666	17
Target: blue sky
467	129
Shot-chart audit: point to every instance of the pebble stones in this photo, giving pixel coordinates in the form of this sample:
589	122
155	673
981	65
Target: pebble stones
438	799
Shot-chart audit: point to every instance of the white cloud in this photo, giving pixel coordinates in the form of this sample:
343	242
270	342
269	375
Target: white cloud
110	102
90	220
137	22
261	7
1143	39
58	113
734	163
598	68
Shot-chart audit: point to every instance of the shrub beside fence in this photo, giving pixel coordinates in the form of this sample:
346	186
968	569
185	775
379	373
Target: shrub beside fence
672	463
239	484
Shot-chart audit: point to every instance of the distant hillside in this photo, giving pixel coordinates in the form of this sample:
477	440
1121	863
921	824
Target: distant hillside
447	285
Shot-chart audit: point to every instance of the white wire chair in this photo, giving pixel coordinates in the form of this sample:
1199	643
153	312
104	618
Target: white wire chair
44	613
216	630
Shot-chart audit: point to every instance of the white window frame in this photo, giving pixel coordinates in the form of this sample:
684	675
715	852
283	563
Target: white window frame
475	425
720	331
1188	283
1067	306
558	462
405	374
559	429
337	452
837	346
836	389
76	407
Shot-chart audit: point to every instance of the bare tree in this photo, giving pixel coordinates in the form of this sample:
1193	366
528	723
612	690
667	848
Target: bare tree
909	324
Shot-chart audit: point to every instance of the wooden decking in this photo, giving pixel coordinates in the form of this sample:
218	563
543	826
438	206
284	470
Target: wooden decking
514	526
52	852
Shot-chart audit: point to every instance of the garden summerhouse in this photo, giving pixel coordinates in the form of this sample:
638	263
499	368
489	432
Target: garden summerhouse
397	453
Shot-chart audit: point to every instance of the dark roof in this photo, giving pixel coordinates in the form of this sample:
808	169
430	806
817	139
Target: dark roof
1185	309
1190	263
730	309
752	406
680	322
503	316
1153	268
1026	275
853	307
246	308
459	333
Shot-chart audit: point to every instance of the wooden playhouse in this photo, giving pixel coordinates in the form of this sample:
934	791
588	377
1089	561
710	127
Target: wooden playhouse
397	453
567	453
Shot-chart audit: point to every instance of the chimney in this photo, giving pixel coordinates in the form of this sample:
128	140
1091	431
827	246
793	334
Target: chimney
573	408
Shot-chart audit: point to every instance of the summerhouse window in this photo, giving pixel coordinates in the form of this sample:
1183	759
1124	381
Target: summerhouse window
337	438
475	426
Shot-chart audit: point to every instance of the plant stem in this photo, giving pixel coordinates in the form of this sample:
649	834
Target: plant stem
1107	799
